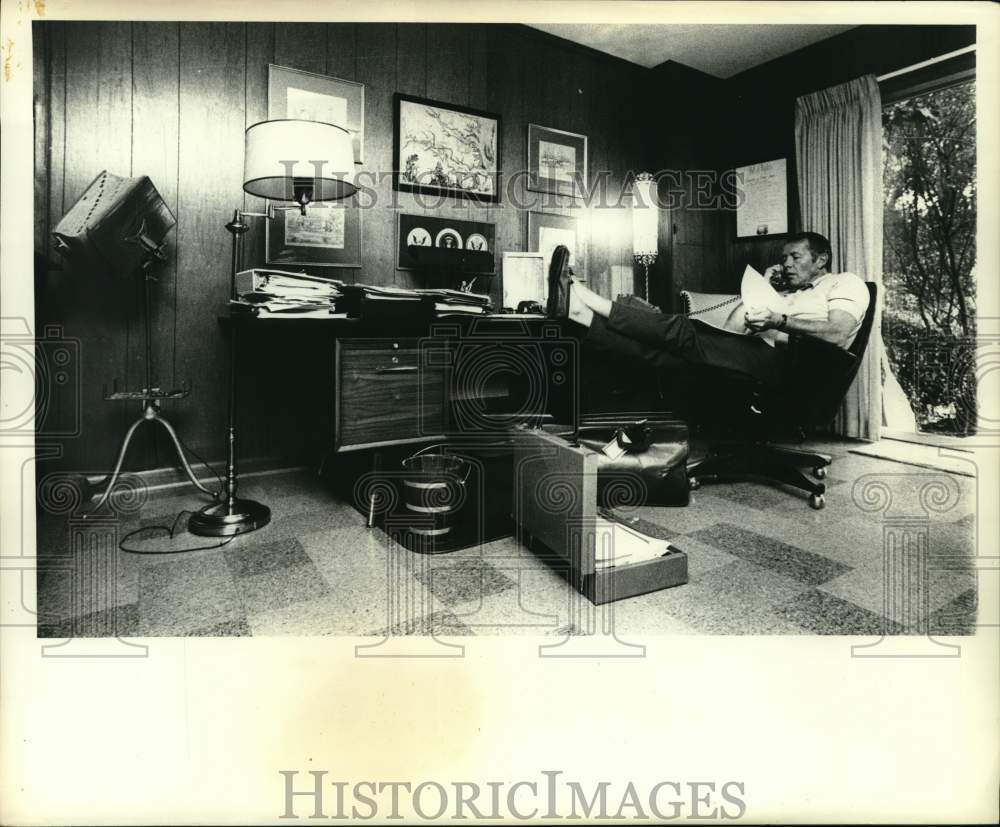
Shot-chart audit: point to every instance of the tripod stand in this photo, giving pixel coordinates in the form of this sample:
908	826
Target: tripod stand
150	398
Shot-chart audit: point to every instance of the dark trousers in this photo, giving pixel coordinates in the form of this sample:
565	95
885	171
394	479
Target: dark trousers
668	342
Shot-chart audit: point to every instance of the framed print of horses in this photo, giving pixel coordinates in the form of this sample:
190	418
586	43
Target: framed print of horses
443	149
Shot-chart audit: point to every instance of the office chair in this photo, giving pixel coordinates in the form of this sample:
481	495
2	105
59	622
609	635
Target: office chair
820	374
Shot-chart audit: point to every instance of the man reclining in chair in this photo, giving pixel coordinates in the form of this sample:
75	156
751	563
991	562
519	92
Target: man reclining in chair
633	328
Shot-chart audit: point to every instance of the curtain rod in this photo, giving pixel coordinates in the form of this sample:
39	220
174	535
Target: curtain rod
924	63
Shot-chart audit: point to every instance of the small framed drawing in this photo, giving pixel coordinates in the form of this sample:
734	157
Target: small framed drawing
547	230
328	235
557	161
448	233
443	149
304	96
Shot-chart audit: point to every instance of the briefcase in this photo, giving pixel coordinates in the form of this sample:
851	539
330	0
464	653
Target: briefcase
651	463
117	224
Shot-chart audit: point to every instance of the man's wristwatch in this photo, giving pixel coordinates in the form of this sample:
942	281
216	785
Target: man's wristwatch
783	322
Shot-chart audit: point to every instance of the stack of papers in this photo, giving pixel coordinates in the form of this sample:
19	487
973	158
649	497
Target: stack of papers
444	301
281	292
619	545
267	292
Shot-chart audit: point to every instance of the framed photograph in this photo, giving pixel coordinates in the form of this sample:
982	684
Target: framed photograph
557	161
443	149
547	230
525	278
304	96
328	235
764	211
448	233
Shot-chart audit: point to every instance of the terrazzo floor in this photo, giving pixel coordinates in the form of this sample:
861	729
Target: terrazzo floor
760	562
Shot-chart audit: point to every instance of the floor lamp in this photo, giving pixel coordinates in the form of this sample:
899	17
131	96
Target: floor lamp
285	160
644	225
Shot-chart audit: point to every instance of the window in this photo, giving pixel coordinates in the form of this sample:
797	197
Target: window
929	317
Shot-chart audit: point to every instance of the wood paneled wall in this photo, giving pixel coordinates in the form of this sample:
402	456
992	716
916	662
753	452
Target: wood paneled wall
690	148
171	101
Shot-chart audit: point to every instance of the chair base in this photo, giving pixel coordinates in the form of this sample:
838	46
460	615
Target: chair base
764	462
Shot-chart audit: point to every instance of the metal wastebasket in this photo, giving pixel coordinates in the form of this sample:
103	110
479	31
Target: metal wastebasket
434	490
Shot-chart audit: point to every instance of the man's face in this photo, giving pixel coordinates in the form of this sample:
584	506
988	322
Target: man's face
799	264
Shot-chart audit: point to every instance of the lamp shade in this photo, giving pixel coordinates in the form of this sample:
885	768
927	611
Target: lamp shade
645	219
293	160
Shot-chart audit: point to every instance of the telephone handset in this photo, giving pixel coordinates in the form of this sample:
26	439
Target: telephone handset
779	281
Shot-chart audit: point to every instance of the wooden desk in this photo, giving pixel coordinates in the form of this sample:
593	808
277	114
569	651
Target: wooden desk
381	384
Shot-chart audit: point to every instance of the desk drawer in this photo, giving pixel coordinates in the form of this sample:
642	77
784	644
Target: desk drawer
386	394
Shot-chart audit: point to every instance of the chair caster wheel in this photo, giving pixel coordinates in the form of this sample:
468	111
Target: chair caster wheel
694	484
820	472
816	501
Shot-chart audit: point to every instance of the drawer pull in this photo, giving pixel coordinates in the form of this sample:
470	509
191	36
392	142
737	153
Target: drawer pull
400	369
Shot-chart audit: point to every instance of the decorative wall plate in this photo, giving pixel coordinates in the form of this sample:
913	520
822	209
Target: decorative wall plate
476	241
448	237
418	236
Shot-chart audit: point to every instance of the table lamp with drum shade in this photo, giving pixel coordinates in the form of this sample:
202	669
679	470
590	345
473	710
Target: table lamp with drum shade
284	160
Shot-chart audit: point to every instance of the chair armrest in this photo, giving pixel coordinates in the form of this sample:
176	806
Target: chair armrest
809	354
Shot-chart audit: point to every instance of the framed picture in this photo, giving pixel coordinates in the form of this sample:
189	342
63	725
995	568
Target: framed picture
443	149
304	96
328	235
524	278
547	230
435	231
557	161
764	211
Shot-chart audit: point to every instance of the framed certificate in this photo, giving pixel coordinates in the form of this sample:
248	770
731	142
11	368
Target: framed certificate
764	209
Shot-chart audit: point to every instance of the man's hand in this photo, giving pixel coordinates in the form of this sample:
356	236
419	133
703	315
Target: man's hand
761	319
835	329
775	274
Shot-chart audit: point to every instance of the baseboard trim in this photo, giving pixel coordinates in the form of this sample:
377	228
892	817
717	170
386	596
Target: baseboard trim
160	479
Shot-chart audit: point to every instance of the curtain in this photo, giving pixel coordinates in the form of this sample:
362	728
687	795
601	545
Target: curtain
838	146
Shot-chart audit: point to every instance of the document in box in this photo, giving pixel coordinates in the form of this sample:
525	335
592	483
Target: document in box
619	545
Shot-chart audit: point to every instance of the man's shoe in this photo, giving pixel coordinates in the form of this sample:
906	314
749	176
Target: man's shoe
559	282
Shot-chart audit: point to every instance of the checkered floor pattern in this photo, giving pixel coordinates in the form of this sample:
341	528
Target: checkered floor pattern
760	562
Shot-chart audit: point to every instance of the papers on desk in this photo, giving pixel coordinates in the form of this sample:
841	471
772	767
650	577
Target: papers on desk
259	281
619	545
281	292
446	309
278	309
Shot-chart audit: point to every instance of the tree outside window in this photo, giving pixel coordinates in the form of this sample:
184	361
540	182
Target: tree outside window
929	318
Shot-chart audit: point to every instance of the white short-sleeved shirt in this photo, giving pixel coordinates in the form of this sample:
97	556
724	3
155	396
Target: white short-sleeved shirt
833	291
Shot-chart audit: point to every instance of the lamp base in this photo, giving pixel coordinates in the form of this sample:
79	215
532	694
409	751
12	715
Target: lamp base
228	518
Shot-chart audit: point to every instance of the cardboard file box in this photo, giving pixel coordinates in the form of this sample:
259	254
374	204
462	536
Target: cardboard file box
555	504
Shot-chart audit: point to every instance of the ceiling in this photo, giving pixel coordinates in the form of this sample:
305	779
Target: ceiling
719	50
